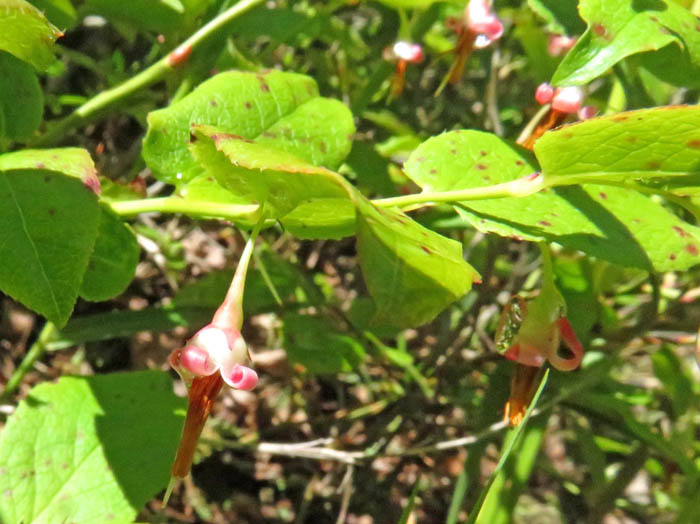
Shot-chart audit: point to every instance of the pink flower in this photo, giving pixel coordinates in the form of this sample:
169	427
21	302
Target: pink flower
560	44
407	51
213	349
542	327
567	99
480	19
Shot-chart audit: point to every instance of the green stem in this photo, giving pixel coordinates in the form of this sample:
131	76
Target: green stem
244	214
230	313
515	188
35	353
155	73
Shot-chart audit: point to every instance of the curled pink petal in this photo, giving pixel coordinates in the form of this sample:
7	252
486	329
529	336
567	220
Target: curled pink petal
572	342
587	112
408	51
197	361
544	93
242	377
567	99
560	44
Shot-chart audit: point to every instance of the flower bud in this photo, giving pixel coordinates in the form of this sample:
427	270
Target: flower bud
544	93
241	377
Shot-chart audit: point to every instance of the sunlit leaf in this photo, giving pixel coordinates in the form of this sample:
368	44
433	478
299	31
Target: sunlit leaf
261	174
281	110
620	28
412	272
26	33
89	449
612	223
657	142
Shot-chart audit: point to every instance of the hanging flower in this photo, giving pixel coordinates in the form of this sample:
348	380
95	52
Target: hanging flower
538	339
478	28
211	350
531	334
403	53
214	356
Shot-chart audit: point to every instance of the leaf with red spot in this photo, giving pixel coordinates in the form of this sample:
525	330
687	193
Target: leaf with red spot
650	143
71	161
258	173
281	110
620	28
89	449
412	272
27	34
48	227
615	224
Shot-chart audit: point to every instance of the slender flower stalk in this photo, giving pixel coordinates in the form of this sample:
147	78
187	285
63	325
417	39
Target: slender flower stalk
214	356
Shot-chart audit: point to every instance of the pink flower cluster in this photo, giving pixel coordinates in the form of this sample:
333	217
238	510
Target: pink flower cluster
565	100
479	18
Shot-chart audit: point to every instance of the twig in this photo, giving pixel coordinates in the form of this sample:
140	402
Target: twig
155	73
346	488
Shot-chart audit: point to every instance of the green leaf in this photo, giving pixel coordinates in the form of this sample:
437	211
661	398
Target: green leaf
321	218
113	261
162	16
48	226
89	449
612	223
620	28
60	13
412	272
26	33
260	174
676	380
282	110
21	99
71	161
561	16
313	343
281	24
409	4
657	142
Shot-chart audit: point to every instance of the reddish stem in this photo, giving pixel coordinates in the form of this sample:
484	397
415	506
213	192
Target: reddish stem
201	398
464	48
553	119
399	79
